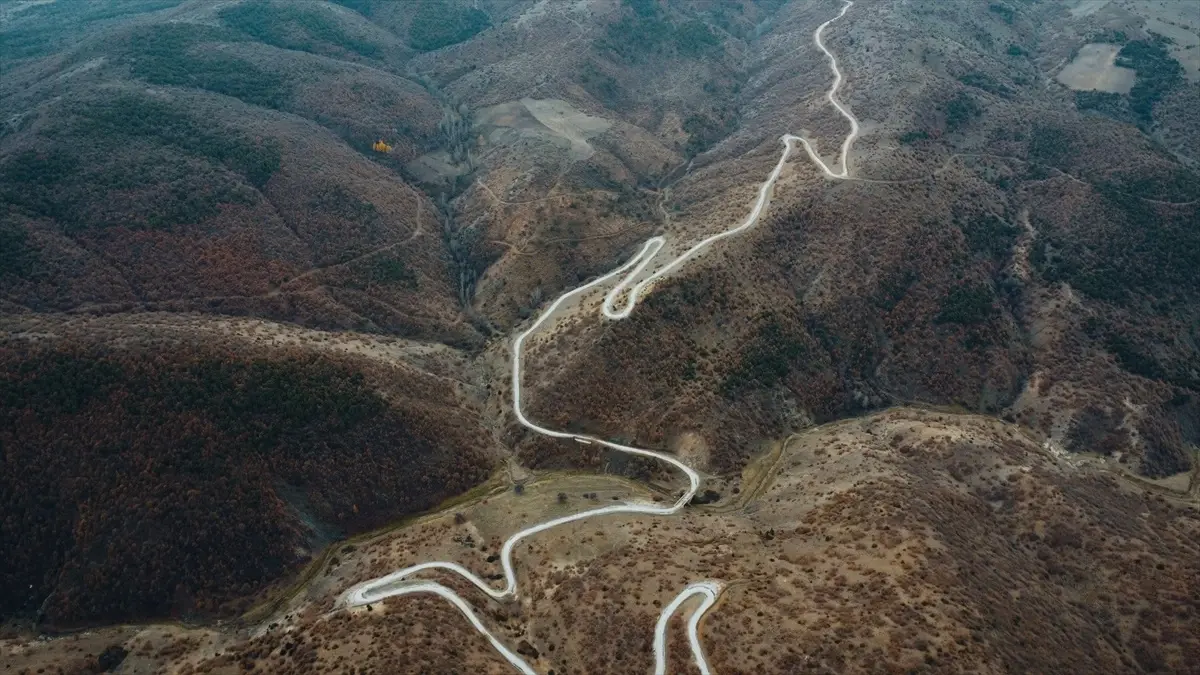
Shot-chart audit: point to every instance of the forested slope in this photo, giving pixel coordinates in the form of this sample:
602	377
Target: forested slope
152	484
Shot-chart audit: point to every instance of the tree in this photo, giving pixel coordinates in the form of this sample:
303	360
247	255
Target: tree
438	23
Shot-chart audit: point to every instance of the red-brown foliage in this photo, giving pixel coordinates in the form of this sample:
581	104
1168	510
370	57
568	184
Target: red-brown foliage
143	484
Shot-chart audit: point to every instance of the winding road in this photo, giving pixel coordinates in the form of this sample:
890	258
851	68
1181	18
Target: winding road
618	304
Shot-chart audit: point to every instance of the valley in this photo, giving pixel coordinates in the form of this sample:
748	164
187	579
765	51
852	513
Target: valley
397	583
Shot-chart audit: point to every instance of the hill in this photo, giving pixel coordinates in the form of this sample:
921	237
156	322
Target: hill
182	478
1000	251
906	540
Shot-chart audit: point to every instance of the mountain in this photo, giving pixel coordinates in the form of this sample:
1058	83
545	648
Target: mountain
267	260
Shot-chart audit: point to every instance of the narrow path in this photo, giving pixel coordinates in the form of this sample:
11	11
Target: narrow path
708	590
832	98
399	583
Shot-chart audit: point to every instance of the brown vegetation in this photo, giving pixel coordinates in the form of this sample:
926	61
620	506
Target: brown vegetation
904	540
144	483
1003	249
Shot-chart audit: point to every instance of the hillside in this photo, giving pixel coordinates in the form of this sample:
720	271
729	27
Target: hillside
907	540
175	478
1041	272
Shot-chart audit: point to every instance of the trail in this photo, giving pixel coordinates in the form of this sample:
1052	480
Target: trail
398	583
832	98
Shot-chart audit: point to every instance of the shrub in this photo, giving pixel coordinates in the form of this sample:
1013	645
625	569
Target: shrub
893	288
392	271
645	31
31	180
134	116
1157	73
17	257
1109	35
705	131
967	304
164	55
46	28
989	235
765	362
600	84
177	442
336	200
960	110
1051	145
290	27
986	83
1008	14
438	24
1130	358
128	144
633	37
1104	102
695	38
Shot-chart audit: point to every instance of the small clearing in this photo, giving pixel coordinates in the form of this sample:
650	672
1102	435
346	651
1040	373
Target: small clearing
1095	69
550	120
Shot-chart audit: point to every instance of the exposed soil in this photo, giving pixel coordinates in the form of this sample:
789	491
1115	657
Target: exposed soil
1095	69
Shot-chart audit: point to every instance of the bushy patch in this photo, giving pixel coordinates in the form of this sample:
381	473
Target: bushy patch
1006	13
646	30
289	26
1104	102
338	201
1131	358
967	304
17	257
441	23
30	181
986	83
386	270
600	84
136	145
133	116
1051	145
166	497
960	110
705	131
988	235
1146	250
164	54
1157	73
893	287
45	28
765	362
1110	36
695	38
